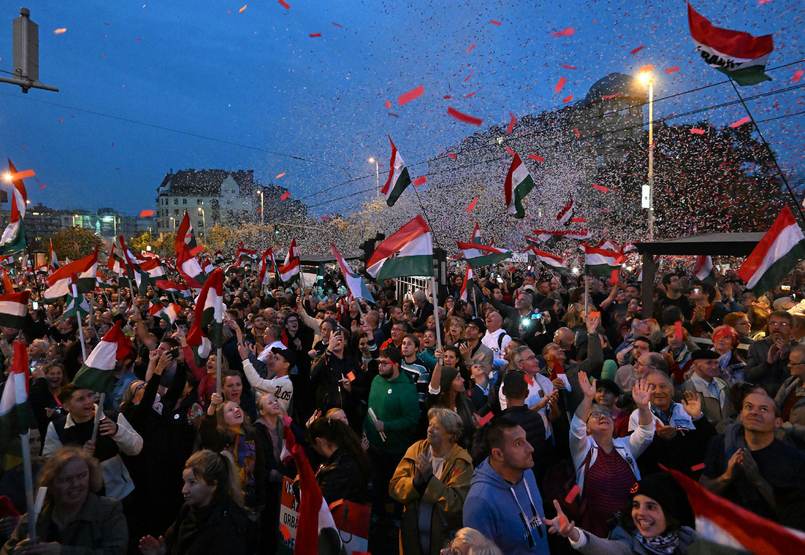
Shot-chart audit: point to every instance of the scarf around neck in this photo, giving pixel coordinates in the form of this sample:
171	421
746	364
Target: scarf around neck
665	544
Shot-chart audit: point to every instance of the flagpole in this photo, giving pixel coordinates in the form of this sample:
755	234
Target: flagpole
81	335
436	312
98	416
474	302
218	356
29	484
586	295
771	152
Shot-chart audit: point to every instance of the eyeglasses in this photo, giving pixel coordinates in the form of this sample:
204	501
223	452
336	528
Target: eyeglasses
599	414
384	362
779	324
532	357
792	364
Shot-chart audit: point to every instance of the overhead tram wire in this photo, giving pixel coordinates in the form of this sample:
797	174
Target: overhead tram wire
563	143
691	91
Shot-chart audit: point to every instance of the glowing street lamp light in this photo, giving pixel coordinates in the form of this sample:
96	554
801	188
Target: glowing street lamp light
372	160
646	78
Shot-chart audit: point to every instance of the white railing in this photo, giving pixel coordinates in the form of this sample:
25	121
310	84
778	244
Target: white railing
407	285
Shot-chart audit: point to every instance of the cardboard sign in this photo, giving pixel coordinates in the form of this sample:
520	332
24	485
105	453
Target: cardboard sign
289	518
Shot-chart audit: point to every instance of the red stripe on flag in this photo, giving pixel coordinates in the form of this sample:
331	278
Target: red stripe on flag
464	117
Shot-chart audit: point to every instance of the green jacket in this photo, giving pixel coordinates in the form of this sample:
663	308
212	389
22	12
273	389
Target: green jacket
396	404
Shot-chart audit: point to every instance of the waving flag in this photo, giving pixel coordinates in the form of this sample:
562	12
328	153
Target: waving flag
13	309
168	313
267	267
316	532
291	267
54	262
551	261
409	252
398	179
357	287
188	267
16	414
86	270
207	331
518	184
780	250
13	237
580	234
736	54
98	372
482	255
704	270
76	305
566	213
173	287
185	236
466	285
600	262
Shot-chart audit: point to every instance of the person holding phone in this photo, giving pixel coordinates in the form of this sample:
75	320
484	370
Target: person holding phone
333	376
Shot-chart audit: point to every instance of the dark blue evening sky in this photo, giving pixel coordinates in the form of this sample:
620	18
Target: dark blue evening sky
257	78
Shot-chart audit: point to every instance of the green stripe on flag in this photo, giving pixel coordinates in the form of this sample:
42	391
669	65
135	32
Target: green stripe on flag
95	379
487	260
600	270
407	266
747	76
779	269
401	185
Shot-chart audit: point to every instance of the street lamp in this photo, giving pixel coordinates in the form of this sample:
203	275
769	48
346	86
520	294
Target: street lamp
647	78
377	173
173	223
204	221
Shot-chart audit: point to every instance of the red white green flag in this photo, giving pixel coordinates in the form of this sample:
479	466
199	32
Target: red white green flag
736	54
188	267
292	264
780	250
357	288
518	184
398	179
98	372
16	414
482	255
13	238
207	331
704	270
185	236
467	281
86	270
601	262
408	252
551	261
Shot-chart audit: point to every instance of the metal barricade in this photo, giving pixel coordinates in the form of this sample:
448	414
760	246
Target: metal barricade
407	285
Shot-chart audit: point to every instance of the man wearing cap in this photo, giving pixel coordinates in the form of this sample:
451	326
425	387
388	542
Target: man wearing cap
473	351
278	364
713	391
767	362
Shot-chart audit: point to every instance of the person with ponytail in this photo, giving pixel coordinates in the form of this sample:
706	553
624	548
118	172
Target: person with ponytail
344	473
212	519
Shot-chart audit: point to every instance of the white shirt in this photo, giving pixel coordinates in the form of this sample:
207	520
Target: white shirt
491	340
281	388
539	387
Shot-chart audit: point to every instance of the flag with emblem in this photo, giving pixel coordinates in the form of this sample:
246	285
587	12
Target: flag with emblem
408	252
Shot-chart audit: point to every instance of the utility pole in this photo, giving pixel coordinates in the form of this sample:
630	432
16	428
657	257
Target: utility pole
26	54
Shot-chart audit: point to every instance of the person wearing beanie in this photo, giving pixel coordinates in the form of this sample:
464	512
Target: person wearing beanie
451	394
656	520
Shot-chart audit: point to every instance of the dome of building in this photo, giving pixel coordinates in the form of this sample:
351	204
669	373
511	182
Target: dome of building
613	84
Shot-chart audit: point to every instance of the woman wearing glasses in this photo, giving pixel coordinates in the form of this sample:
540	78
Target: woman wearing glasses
606	467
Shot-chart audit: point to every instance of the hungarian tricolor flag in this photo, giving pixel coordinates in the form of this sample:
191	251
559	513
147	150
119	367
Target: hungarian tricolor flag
398	177
86	270
76	305
476	234
13	309
600	262
465	285
478	255
316	531
207	331
565	213
704	270
54	262
357	287
551	261
8	285
244	255
16	414
267	267
168	313
98	371
725	528
518	185
13	237
736	54
409	252
782	248
291	266
173	287
188	267
544	234
186	237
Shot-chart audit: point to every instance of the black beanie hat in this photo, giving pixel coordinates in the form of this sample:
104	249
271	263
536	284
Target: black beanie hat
449	374
665	491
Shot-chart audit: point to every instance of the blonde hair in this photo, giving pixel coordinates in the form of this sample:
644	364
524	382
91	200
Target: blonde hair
217	468
62	458
449	419
478	543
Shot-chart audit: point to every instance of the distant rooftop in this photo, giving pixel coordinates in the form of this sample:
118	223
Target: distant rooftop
207	182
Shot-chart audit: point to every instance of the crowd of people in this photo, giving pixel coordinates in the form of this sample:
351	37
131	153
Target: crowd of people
541	425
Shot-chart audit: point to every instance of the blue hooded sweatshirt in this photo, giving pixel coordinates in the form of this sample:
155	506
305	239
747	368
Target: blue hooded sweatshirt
499	511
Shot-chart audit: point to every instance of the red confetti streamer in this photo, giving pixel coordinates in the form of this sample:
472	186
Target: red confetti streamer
536	157
138	38
740	122
451	155
280	175
393	115
513	120
485	420
411	95
284	5
560	84
469	95
601	188
448	96
646	68
567	99
388	104
464	117
672	69
798	75
468	49
678	330
23	175
144	213
243	8
510	151
337	25
608	96
493	22
470	75
420	181
695	131
285	195
326	218
564	33
638	49
59	31
578	220
697	467
569	67
472	205
572	494
314	35
576	131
